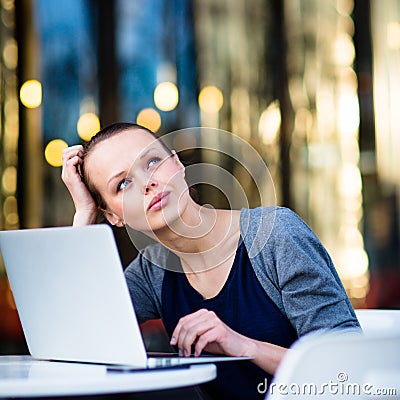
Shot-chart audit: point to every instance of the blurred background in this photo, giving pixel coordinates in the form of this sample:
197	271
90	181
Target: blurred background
312	85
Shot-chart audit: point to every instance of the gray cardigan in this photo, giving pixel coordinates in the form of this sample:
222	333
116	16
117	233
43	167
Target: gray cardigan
290	262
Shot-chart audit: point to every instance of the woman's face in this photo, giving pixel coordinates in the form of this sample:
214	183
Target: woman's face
141	183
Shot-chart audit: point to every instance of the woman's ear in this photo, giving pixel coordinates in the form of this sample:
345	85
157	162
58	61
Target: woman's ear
113	219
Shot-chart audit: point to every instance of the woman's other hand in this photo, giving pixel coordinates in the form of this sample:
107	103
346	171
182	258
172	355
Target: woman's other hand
85	207
206	331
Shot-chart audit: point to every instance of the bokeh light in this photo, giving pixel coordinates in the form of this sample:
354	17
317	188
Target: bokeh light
149	118
344	50
211	99
31	94
10	210
166	96
10	54
9	180
393	35
53	152
270	122
88	125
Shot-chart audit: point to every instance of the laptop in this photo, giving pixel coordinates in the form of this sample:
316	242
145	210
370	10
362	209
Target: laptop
73	301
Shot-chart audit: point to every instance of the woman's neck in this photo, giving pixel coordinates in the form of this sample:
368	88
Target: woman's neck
203	237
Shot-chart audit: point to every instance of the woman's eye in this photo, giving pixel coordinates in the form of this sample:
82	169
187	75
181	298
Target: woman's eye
153	161
123	184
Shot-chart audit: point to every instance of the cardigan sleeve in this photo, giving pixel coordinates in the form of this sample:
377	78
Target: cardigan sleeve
298	273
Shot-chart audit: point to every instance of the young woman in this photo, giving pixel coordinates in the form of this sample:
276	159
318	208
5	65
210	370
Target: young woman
223	297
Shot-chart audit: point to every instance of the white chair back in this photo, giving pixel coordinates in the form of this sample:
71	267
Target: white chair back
376	321
340	365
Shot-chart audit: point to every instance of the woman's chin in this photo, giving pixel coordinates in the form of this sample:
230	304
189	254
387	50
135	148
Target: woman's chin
166	220
159	221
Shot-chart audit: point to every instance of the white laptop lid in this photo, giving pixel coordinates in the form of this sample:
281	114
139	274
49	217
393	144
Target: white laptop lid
71	295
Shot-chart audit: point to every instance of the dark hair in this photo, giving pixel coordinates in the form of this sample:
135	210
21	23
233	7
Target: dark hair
104	134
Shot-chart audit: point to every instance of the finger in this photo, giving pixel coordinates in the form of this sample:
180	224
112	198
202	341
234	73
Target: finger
69	152
73	161
184	320
70	166
190	334
206	338
193	325
73	148
178	327
69	170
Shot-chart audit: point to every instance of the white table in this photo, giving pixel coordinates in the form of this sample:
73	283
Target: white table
22	376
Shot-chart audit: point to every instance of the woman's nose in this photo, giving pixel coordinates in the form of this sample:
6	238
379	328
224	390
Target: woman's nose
150	185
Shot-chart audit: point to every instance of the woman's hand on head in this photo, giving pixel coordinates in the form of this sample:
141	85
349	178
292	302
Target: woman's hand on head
86	210
206	331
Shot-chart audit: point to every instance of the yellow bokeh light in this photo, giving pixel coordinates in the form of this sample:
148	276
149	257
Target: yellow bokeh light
348	114
10	210
166	96
344	50
10	54
53	152
353	262
9	180
87	126
8	4
358	292
211	99
349	181
149	118
270	122
345	7
393	35
303	121
10	205
31	94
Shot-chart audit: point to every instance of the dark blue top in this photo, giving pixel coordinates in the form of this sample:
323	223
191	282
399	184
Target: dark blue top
243	305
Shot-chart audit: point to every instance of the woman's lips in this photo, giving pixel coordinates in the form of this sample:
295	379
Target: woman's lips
158	201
